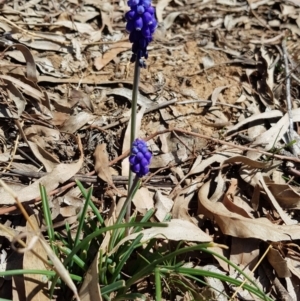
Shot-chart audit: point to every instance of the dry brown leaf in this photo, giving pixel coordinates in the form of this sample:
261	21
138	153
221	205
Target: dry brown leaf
228	201
244	252
35	285
286	196
247	161
181	202
238	226
102	164
110	54
26	88
60	174
287	220
17	97
43	156
278	263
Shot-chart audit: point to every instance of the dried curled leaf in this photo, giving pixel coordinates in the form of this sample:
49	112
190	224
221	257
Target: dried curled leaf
236	225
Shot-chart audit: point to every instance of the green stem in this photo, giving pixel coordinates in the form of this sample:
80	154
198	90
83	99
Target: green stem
132	191
135	91
157	284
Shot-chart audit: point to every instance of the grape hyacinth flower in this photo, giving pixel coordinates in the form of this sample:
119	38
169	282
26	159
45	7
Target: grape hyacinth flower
140	158
141	24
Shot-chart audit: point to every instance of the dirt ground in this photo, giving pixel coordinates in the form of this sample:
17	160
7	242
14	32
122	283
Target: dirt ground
219	106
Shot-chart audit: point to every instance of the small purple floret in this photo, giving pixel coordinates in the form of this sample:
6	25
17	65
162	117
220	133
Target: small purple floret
140	158
141	24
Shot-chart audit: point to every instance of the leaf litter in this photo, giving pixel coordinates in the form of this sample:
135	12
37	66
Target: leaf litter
226	159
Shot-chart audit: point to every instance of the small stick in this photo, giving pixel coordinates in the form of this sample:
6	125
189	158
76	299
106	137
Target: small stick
288	96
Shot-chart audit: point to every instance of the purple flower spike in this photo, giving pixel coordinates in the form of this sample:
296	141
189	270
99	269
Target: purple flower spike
140	158
141	24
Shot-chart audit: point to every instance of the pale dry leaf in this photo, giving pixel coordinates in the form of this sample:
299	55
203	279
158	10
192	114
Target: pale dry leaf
216	93
270	67
170	18
227	2
219	183
278	263
215	288
195	164
292	289
269	138
42	131
143	200
287	10
238	226
162	160
182	200
161	5
295	2
219	157
80	27
76	122
230	22
26	88
84	16
293	266
176	230
106	20
23	55
164	142
90	288
223	252
254	118
6	231
60	174
35	284
207	61
59	267
163	205
44	45
255	130
102	163
127	93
